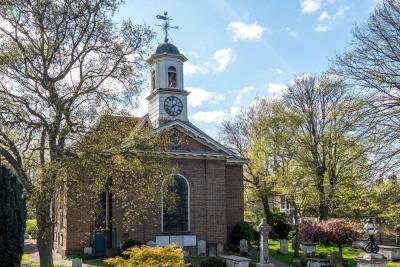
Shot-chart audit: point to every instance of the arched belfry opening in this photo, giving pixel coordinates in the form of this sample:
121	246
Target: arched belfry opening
171	77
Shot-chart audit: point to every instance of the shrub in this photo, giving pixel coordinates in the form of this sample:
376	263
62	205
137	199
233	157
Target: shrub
242	230
12	219
280	225
31	228
336	231
292	234
145	256
212	262
114	252
130	243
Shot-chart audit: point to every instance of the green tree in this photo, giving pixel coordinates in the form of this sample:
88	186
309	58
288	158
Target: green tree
329	142
62	64
245	134
12	219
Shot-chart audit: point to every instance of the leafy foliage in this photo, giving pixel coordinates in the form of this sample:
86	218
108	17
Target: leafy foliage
337	231
169	256
31	227
280	226
242	230
12	219
130	243
63	64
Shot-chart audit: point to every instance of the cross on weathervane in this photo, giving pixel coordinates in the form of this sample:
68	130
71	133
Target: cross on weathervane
166	25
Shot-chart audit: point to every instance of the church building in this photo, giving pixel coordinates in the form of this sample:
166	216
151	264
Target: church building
209	182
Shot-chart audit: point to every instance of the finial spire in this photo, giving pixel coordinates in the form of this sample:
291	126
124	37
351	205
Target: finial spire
166	25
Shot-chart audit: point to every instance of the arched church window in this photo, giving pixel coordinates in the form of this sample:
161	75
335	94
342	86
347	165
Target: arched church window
172	77
176	205
153	80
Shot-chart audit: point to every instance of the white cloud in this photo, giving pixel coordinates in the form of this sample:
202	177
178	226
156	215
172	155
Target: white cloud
242	92
190	69
321	28
276	88
324	16
290	32
310	6
199	96
235	110
339	13
278	70
222	59
243	31
215	116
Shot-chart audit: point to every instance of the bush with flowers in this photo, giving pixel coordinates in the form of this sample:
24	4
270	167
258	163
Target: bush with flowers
145	256
336	231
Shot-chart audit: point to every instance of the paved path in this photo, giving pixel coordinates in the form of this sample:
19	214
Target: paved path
33	253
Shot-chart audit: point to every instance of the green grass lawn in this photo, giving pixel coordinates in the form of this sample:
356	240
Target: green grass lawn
194	261
25	258
273	246
349	254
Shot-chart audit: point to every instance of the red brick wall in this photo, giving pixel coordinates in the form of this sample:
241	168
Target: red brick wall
77	234
216	204
234	196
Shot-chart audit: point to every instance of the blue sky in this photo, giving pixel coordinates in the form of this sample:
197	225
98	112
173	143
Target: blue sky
240	50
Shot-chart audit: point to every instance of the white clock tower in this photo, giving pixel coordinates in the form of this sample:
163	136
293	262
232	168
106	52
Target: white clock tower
168	98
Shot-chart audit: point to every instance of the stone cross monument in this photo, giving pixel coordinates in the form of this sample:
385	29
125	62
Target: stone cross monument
264	230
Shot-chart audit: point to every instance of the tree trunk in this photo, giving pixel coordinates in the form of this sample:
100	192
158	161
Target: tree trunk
45	229
323	207
341	251
323	210
267	210
297	230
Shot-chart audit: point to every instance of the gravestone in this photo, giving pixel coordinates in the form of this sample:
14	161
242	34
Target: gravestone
284	246
220	249
151	243
201	248
77	262
264	230
336	259
244	246
212	250
88	251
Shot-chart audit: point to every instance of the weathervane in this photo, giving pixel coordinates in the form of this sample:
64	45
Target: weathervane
166	25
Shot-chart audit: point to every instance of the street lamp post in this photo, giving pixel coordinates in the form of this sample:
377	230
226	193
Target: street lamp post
371	229
371	257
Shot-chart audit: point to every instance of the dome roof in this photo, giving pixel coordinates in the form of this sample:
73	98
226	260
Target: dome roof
167	48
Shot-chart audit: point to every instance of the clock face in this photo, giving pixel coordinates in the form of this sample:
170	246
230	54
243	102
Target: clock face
173	105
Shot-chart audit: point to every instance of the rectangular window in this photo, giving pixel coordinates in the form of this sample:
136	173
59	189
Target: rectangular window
285	204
